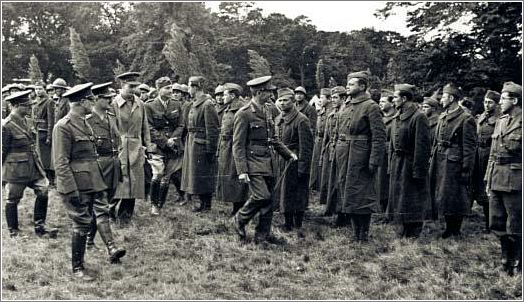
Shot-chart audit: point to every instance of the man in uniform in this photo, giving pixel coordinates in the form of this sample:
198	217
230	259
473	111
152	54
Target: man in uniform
165	123
303	107
362	140
198	168
293	129
452	161
61	104
131	120
107	140
388	111
21	166
144	90
431	108
504	178
219	102
316	166
41	119
410	151
79	181
485	127
253	142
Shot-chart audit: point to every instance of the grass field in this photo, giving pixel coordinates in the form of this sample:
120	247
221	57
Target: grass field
180	255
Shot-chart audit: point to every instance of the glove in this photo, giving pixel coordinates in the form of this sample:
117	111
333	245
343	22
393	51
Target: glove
372	168
294	157
243	178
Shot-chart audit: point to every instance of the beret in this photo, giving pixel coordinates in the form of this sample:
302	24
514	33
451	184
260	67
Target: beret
405	88
300	89
19	97
259	82
359	75
79	92
144	87
451	89
162	82
219	89
493	95
325	91
197	80
130	77
431	102
103	90
284	92
512	87
233	86
59	83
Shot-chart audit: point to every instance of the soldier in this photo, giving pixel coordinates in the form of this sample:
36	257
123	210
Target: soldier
229	188
504	178
485	127
164	117
253	142
293	129
79	181
107	140
41	118
21	166
219	102
388	114
198	171
362	139
409	162
61	104
316	166
452	160
131	120
306	109
49	89
144	90
431	108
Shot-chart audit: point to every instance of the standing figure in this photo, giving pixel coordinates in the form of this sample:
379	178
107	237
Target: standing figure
431	108
316	163
41	118
388	111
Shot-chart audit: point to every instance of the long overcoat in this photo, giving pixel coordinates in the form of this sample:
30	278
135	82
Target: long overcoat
41	119
410	151
452	161
198	167
328	178
382	173
316	162
131	120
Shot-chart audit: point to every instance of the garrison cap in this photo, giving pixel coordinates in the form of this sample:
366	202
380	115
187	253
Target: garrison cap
178	87
405	88
284	93
184	88
451	89
144	87
197	80
261	82
386	92
300	89
130	77
219	89
79	92
325	91
233	86
59	83
162	82
338	90
512	88
492	95
359	75
103	90
19	97
49	87
431	102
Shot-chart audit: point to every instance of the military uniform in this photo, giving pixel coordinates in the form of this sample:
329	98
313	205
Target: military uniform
316	166
21	168
80	182
327	156
382	173
504	180
41	118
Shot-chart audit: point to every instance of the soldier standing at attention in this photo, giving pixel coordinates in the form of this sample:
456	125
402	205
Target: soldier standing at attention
452	161
485	127
431	108
219	102
164	116
388	111
198	168
79	180
504	178
316	163
303	107
41	119
21	166
107	140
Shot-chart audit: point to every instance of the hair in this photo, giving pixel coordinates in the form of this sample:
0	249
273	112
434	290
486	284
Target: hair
517	96
235	92
362	81
408	95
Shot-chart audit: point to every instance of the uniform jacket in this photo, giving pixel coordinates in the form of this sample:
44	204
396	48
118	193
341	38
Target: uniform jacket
20	160
221	109
165	122
61	107
433	121
199	164
42	118
505	160
75	157
452	161
310	112
485	127
382	173
327	178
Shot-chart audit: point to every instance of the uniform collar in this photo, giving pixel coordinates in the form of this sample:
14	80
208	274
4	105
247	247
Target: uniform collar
408	111
121	101
360	98
235	105
301	105
453	114
290	116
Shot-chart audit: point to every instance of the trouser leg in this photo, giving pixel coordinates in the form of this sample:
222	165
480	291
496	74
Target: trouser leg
298	219
14	193
365	221
126	209
92	229
101	211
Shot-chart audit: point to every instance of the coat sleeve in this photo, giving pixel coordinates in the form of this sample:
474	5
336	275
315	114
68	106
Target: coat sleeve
146	135
469	144
6	142
179	128
50	107
305	141
378	135
61	154
492	153
240	126
313	116
422	147
212	128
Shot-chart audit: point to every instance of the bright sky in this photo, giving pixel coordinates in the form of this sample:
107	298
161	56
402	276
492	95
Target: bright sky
334	15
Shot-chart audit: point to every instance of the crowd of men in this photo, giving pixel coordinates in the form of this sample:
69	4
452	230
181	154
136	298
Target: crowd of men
267	150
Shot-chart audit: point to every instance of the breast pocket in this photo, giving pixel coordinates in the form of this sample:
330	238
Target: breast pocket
514	143
257	131
82	145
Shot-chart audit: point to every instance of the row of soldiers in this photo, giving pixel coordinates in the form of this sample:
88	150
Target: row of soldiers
270	149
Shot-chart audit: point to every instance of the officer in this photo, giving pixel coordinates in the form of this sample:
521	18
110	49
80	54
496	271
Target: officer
42	118
198	172
165	123
388	114
144	90
304	107
316	166
253	142
452	161
485	127
79	180
21	166
504	178
107	140
431	108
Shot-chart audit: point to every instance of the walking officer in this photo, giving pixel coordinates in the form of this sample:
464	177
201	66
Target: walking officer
21	166
79	179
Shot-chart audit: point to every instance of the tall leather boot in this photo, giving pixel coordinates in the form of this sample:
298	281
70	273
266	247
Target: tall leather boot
40	214
485	209
154	196
299	218
457	224
504	247
115	253
78	247
365	222
162	194
355	222
90	244
511	262
11	217
288	222
207	203
449	227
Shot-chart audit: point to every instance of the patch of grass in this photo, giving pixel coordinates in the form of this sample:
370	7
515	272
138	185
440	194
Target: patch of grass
181	255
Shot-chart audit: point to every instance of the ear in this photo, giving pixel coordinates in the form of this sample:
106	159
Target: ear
515	101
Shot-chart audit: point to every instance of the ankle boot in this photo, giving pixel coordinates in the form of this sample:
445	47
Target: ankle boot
162	194
115	253
90	244
299	218
365	220
356	225
78	247
11	217
288	222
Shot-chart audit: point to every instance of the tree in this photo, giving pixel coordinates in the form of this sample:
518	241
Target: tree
258	64
319	75
35	74
79	57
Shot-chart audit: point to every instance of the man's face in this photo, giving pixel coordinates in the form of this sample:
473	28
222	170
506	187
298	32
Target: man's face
489	105
32	95
353	88
446	100
299	96
219	98
59	91
103	103
88	104
324	100
427	110
384	104
165	92
228	97
177	95
24	109
265	95
336	100
130	89
40	91
507	103
193	88
285	104
398	101
144	95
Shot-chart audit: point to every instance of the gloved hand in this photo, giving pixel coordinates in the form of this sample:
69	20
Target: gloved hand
294	157
243	178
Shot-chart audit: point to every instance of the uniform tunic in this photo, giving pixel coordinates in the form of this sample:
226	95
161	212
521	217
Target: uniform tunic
41	118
